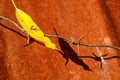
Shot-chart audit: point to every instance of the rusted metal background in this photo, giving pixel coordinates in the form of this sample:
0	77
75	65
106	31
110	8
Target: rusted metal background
98	20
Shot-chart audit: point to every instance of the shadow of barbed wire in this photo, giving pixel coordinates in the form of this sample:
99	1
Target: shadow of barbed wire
99	59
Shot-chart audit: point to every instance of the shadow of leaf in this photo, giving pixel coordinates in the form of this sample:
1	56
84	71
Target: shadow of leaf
69	53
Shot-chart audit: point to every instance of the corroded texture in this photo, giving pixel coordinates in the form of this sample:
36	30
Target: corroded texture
98	20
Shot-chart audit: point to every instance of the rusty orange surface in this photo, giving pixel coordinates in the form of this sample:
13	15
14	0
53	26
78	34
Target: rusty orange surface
98	20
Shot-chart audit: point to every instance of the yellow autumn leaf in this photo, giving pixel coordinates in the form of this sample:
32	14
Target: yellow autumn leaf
32	28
